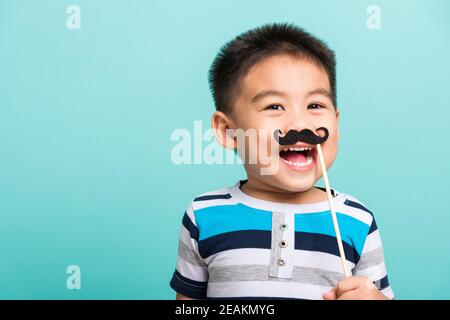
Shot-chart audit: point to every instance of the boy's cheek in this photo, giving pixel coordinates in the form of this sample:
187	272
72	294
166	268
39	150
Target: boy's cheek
330	148
265	149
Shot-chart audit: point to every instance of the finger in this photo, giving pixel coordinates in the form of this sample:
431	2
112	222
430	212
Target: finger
330	295
350	295
351	283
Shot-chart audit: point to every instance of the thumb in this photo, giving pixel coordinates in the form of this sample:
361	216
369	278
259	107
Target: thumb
330	295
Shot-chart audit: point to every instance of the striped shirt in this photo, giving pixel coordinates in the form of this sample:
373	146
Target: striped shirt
234	246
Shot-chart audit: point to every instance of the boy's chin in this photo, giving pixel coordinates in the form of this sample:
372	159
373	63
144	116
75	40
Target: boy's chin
292	184
297	185
289	181
297	182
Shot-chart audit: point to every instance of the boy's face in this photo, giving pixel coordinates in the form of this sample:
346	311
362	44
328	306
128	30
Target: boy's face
283	92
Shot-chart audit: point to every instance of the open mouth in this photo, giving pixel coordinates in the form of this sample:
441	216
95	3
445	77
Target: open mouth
301	157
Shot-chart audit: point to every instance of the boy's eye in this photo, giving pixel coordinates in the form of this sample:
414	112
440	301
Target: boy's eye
275	107
315	106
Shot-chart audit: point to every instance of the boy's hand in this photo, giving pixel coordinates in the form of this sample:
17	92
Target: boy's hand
355	288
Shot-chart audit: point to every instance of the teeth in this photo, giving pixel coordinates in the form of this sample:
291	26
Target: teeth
308	161
297	148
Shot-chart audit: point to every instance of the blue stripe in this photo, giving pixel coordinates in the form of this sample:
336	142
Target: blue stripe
215	220
353	231
227	218
350	203
263	240
213	197
188	224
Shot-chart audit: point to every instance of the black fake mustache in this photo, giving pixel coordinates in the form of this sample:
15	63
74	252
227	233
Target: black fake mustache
306	135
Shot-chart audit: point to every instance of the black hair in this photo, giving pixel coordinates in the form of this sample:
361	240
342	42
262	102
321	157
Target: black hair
237	56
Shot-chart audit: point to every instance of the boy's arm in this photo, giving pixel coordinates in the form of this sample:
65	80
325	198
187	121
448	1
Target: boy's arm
371	263
181	297
370	280
191	273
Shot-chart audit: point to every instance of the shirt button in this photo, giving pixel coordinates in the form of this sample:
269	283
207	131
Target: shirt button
281	262
283	226
283	243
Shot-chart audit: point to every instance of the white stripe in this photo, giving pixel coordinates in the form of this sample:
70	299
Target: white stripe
301	258
266	205
356	213
281	289
374	273
216	202
185	237
214	192
239	256
198	205
388	292
373	241
190	213
191	271
352	198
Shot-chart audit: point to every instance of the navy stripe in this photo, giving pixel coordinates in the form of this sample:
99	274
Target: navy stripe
213	197
261	239
373	227
382	283
192	228
190	281
324	189
354	204
235	240
188	287
324	243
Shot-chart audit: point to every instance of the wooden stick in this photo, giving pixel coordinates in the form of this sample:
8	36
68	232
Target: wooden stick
333	213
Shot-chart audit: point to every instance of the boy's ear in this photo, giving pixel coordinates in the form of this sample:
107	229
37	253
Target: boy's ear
223	130
337	122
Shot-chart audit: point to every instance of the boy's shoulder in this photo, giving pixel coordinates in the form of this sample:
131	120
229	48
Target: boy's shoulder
354	202
352	206
222	196
345	203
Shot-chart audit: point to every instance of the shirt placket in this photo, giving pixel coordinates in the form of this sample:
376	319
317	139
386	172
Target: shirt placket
283	245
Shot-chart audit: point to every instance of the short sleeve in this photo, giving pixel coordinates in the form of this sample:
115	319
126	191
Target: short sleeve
191	274
371	263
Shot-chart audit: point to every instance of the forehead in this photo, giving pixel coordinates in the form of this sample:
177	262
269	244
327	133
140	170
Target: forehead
295	76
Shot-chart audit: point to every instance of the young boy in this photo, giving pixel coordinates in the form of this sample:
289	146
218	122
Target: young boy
271	235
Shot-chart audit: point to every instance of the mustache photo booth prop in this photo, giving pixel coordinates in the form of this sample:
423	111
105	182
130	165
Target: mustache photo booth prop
306	135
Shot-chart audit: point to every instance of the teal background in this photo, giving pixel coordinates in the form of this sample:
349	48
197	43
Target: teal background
86	118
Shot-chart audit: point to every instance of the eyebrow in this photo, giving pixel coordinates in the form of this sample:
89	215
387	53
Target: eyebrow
321	91
266	93
272	92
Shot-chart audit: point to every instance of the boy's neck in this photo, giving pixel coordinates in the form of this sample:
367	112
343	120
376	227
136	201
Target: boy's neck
260	190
